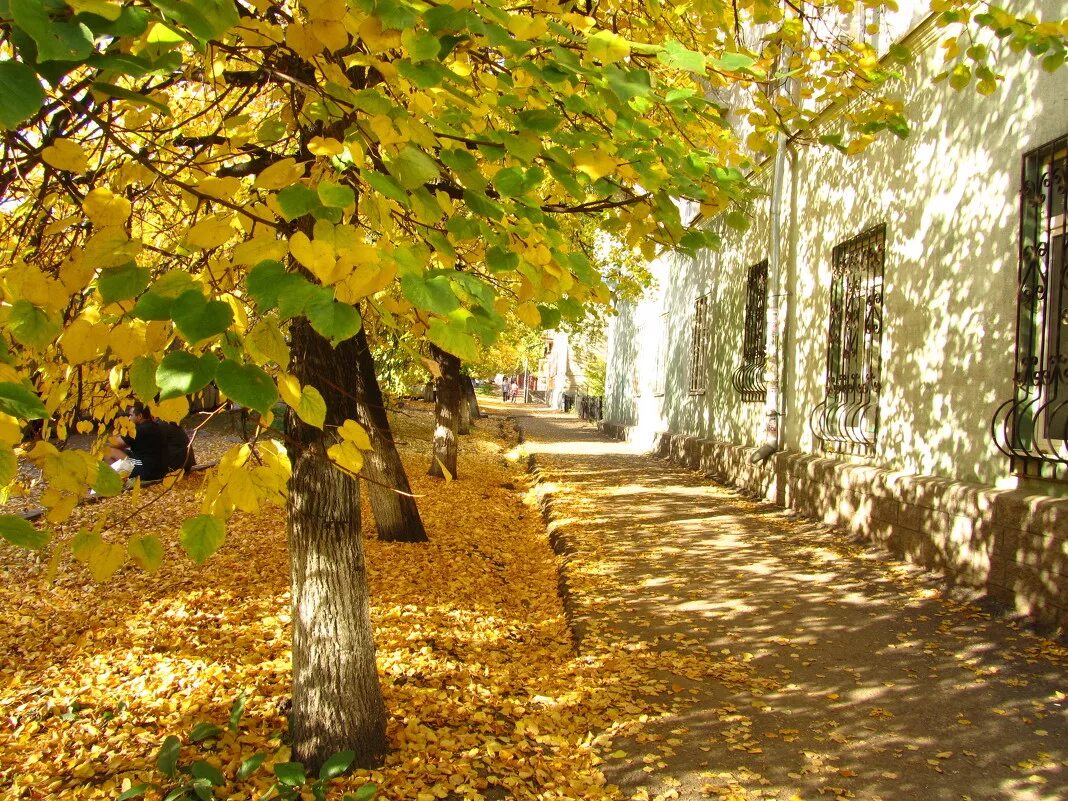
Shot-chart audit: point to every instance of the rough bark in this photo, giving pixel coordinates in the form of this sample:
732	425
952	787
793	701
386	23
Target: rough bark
464	425
447	413
396	515
472	398
337	701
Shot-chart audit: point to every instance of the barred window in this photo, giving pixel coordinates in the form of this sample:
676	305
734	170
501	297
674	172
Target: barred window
699	344
660	376
1032	427
847	421
748	378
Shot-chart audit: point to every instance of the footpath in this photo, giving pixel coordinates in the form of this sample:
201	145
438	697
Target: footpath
848	675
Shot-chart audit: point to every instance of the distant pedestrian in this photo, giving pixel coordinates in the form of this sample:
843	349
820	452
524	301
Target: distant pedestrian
515	390
506	390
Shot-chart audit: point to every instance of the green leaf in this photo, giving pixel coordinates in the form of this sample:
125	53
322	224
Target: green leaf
108	483
366	792
550	317
412	167
290	774
628	84
205	770
676	55
143	378
167	758
202	536
250	766
335	321
737	220
122	93
295	201
21	533
540	121
733	62
205	19
136	791
264	282
420	45
146	551
386	186
334	195
432	294
204	731
511	181
458	159
448	336
237	710
56	40
22	96
198	318
247	385
33	327
21	402
122	282
500	260
182	373
336	765
152	306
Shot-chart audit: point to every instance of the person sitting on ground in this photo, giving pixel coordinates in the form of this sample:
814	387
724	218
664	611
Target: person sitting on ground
147	446
180	454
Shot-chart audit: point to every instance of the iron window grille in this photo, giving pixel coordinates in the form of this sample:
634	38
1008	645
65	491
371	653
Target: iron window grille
660	377
847	421
699	345
748	378
1032	427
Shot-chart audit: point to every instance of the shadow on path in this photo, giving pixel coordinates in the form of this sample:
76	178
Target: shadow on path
862	681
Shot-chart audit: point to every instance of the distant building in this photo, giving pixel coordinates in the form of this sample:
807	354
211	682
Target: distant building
924	341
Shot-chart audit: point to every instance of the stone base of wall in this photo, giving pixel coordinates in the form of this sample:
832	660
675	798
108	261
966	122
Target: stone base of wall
1008	545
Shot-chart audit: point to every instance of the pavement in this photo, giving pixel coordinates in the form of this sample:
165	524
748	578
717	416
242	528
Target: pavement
830	671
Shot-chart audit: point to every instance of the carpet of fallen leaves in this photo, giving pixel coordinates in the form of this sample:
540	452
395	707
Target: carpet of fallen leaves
487	698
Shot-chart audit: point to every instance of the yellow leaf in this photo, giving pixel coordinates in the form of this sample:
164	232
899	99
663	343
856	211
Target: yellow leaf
375	38
84	341
260	248
529	314
222	188
331	33
316	255
300	40
105	560
346	456
326	9
444	470
173	410
594	163
353	432
10	430
104	208
305	401
266	344
365	280
102	8
65	154
280	174
608	47
210	232
325	147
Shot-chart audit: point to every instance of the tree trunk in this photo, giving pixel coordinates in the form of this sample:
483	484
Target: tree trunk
464	426
447	413
337	701
396	515
471	397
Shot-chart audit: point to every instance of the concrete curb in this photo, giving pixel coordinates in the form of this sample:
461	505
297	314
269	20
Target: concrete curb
558	541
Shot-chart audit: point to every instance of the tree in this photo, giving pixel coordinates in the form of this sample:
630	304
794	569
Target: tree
186	180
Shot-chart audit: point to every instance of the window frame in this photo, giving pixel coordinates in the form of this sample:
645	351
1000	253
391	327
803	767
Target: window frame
847	420
748	377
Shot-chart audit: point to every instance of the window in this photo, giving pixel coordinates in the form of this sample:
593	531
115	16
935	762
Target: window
1032	427
847	420
699	344
748	379
660	377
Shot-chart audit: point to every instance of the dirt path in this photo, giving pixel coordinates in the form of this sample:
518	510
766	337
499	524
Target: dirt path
803	665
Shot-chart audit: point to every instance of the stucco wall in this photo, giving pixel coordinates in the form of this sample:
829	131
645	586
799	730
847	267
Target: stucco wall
948	196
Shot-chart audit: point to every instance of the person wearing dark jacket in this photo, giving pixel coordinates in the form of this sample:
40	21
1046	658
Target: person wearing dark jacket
147	446
180	454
